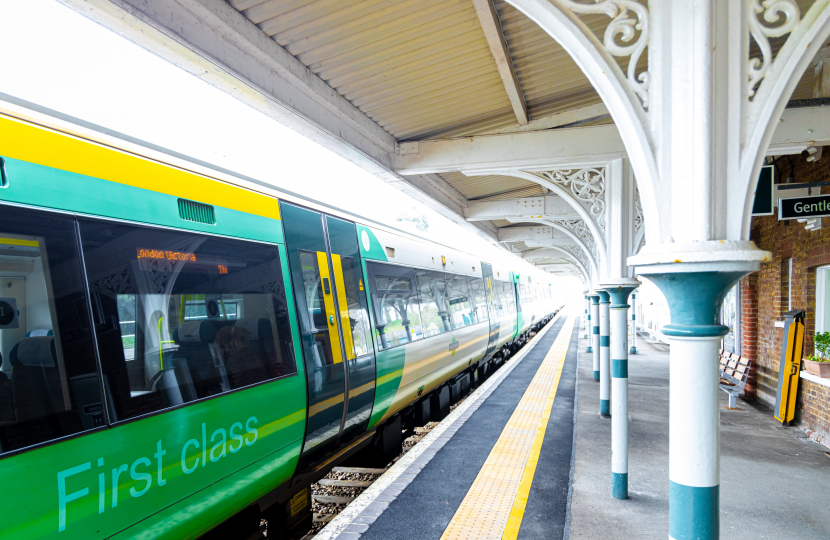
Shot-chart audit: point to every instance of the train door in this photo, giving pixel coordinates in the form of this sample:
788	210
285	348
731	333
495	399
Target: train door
332	312
487	274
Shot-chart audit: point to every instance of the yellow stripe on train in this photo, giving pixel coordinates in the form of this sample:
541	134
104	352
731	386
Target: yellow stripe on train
27	142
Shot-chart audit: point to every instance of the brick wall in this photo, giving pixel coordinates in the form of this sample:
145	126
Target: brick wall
765	297
749	330
815	415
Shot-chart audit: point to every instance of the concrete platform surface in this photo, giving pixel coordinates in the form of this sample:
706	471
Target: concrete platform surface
775	482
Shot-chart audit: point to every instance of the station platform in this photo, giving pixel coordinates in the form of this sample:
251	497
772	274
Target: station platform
527	456
497	467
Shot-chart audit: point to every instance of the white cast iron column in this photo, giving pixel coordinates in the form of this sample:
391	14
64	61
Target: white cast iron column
619	389
593	346
694	298
604	354
633	323
586	322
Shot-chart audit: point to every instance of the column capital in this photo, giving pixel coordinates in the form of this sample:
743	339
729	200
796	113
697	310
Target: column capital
594	297
604	297
619	289
712	255
694	277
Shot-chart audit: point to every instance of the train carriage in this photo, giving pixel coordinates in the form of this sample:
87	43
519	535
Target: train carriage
177	348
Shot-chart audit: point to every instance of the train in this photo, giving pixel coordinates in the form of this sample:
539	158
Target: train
182	349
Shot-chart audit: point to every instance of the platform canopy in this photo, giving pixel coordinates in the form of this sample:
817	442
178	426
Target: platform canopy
468	105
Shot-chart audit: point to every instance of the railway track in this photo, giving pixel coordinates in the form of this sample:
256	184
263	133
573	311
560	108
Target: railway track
332	494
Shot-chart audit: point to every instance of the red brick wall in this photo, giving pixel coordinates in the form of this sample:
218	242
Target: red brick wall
815	416
749	330
765	295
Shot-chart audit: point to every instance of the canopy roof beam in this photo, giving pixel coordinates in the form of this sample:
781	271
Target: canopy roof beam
578	147
490	23
549	207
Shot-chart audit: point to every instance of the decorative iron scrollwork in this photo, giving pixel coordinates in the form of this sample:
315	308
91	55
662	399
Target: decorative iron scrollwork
783	12
581	231
626	36
587	185
638	211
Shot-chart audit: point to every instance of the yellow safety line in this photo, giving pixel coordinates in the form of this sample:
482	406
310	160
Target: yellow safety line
494	505
514	522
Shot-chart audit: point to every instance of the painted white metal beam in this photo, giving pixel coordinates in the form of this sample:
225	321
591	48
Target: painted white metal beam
567	264
578	147
582	114
549	207
591	146
490	23
537	254
532	234
550	242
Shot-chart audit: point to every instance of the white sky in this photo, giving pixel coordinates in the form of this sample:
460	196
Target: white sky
57	58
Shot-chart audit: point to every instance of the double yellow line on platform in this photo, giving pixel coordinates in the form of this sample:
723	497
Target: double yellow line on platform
495	504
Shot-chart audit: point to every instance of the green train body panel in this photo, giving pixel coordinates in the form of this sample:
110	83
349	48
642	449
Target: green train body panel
47	187
389	365
370	247
210	507
66	475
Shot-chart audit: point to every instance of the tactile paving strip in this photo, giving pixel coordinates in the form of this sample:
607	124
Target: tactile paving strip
498	495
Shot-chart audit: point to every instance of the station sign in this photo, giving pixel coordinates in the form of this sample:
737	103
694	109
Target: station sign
804	207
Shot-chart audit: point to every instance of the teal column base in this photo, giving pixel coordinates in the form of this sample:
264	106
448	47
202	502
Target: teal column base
605	407
596	376
619	485
589	349
586	336
693	512
633	350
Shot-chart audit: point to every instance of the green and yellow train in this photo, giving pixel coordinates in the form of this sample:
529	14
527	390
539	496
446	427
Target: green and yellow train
179	348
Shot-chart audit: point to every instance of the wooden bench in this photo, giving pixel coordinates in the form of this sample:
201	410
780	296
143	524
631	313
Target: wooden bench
734	372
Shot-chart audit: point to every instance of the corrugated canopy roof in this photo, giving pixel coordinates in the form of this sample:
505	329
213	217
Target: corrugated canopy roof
423	69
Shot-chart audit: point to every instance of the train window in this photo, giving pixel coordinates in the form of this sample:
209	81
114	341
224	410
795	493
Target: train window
499	298
434	302
395	303
181	316
478	299
49	384
508	296
458	300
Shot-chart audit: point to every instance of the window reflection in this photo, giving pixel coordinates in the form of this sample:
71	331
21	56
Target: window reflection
181	316
433	302
395	301
411	303
49	386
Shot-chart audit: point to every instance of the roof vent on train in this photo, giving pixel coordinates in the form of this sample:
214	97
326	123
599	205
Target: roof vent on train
196	211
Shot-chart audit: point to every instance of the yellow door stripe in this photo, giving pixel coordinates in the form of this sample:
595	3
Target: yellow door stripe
331	313
26	142
18	242
345	320
494	505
